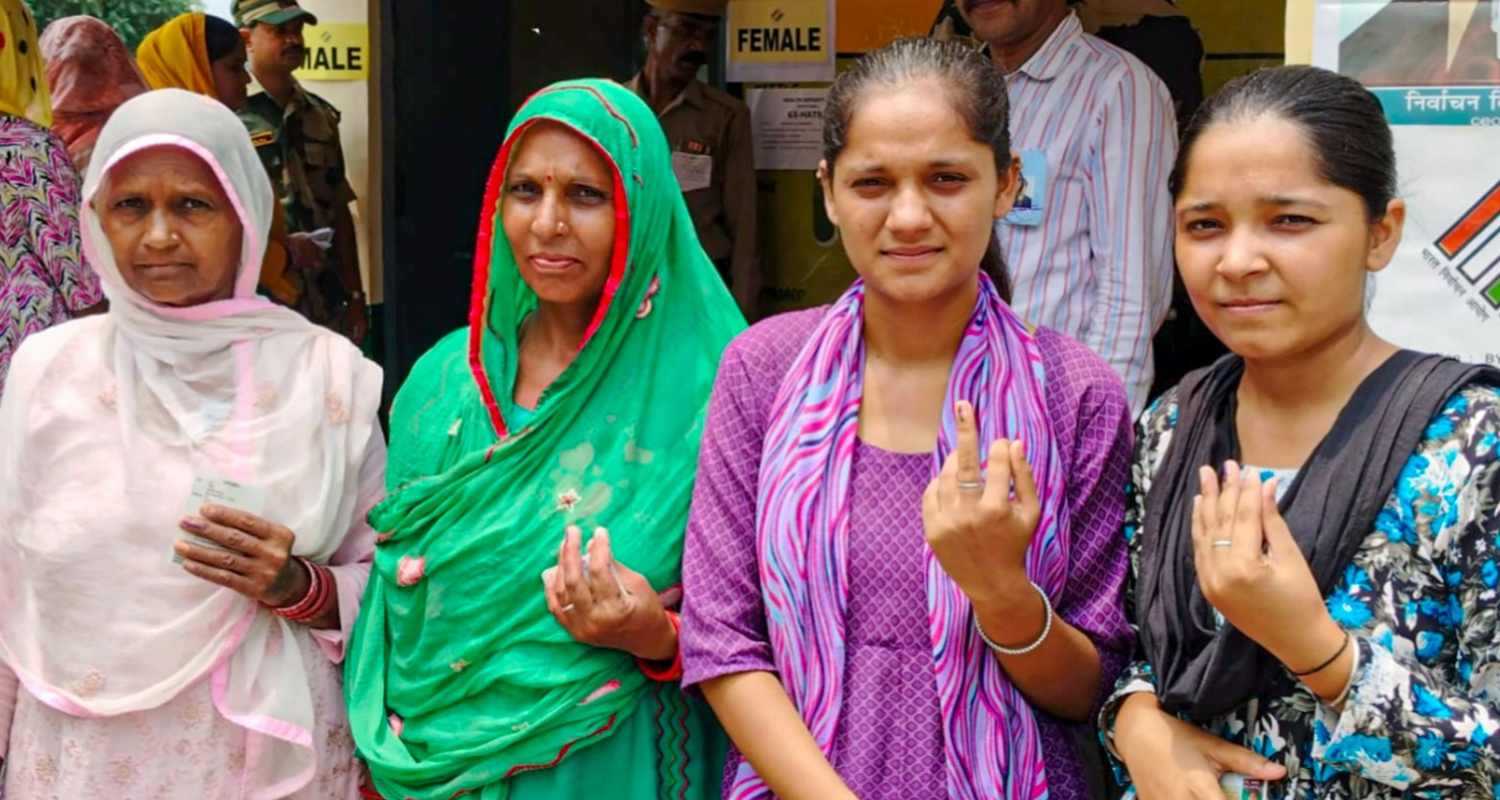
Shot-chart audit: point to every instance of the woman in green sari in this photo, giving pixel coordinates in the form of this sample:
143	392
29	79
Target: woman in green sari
503	653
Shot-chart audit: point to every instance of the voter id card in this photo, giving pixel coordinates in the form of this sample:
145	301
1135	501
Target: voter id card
219	491
1239	787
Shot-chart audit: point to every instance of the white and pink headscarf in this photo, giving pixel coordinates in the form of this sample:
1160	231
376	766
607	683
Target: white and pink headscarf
991	741
104	425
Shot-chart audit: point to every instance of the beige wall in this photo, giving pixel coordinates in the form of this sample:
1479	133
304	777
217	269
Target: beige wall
356	100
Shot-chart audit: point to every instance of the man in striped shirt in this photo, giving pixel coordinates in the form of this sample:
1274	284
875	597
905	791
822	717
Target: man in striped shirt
1089	244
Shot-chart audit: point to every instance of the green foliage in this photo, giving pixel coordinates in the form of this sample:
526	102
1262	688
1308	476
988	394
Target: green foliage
132	19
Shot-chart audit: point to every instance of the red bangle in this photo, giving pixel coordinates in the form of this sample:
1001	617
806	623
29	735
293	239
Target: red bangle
320	592
327	591
314	588
672	672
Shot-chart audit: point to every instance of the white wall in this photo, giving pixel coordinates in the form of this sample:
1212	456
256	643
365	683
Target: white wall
352	98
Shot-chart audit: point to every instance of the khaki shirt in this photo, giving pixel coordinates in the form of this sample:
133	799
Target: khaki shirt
299	146
709	133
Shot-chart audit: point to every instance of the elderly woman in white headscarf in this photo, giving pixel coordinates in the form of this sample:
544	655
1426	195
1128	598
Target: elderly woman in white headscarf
183	485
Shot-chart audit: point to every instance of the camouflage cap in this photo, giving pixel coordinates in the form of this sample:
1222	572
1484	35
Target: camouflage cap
270	12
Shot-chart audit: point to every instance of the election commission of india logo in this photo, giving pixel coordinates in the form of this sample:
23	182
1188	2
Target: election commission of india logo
1471	250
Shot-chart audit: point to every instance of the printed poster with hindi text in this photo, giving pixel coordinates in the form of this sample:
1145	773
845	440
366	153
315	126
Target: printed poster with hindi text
1435	65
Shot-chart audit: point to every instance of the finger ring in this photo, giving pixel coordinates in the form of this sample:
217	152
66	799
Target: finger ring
567	608
1221	543
971	486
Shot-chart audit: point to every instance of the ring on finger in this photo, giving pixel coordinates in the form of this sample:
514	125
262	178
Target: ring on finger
1220	544
971	486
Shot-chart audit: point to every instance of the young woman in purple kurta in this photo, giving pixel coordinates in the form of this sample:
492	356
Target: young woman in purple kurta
914	183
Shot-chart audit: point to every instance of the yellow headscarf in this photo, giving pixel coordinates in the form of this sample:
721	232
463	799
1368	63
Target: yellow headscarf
23	78
175	56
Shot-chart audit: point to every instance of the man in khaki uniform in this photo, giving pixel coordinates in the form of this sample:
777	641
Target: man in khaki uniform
296	134
709	133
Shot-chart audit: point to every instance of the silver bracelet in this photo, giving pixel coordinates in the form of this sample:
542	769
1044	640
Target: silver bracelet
1021	651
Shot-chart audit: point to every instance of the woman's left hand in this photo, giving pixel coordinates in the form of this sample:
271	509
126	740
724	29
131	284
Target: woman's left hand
254	556
605	603
1252	570
976	528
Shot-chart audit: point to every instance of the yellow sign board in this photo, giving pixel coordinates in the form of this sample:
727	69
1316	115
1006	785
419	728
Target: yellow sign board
1300	15
336	51
780	40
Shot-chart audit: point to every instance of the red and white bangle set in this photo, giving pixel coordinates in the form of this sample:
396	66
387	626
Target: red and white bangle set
321	593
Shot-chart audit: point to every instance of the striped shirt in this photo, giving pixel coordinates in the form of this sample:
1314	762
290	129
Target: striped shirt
1097	261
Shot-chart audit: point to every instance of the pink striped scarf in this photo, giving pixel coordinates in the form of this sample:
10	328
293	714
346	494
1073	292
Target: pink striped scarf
991	741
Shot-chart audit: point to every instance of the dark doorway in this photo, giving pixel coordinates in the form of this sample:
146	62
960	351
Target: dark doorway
456	73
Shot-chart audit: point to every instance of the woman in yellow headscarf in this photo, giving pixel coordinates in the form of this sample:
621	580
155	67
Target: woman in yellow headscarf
43	280
205	55
23	78
199	53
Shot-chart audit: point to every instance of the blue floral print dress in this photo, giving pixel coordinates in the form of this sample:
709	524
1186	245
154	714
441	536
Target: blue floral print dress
1423	711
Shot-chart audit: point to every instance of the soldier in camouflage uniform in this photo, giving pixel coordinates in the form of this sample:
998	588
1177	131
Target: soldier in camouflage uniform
296	134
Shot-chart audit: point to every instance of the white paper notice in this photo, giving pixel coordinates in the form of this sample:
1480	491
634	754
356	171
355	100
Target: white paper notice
788	127
694	172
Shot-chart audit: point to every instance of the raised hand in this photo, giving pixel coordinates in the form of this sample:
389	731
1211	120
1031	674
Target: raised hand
980	526
604	603
1252	570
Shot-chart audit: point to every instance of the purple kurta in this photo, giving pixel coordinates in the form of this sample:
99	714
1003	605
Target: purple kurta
889	740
